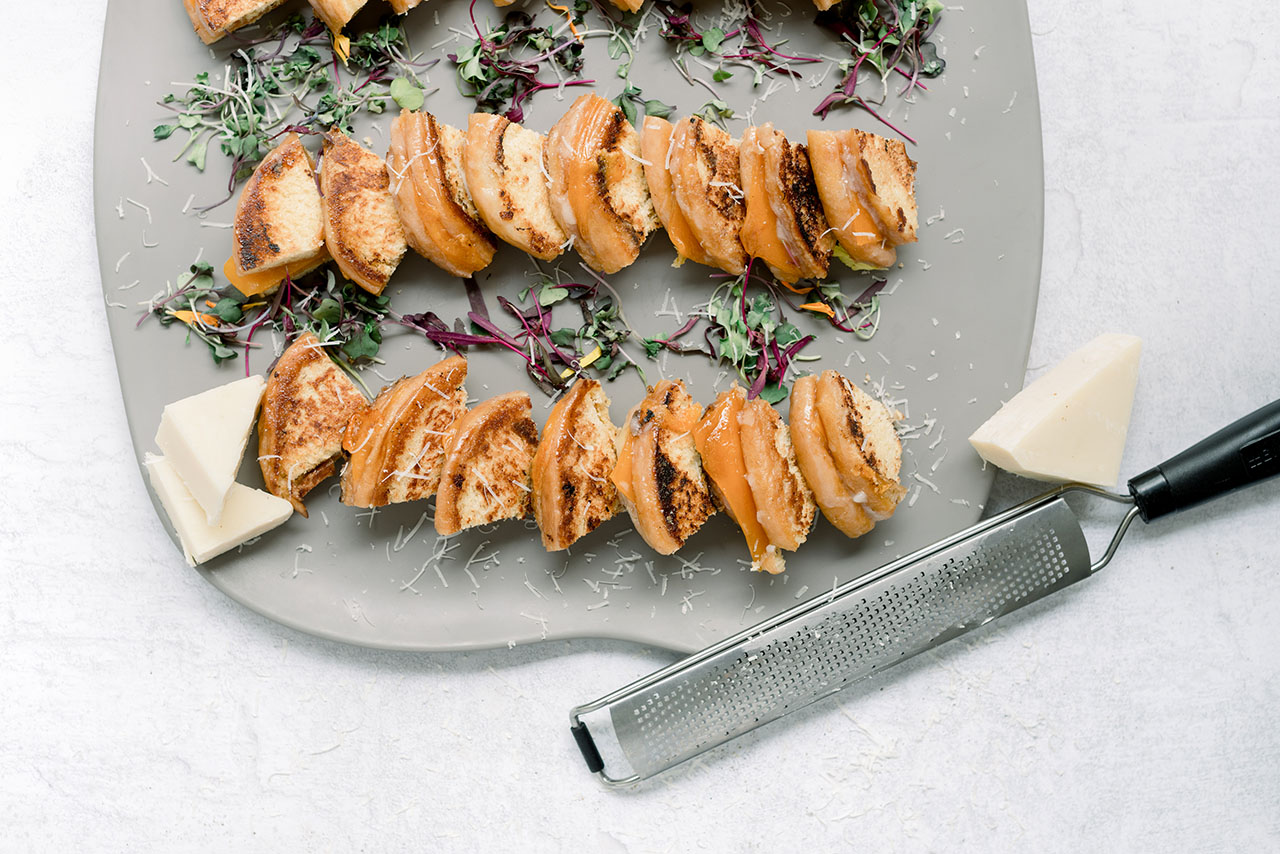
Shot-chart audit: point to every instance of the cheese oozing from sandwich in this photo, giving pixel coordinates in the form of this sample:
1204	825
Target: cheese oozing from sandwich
1071	423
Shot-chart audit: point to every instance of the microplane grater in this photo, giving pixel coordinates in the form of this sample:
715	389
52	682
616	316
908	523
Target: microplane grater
897	611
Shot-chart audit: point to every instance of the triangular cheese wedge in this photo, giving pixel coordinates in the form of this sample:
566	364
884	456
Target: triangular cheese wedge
203	437
1070	424
246	514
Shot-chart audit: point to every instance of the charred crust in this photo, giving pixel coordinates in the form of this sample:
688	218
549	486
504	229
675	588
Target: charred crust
613	131
256	248
286	414
500	147
354	173
719	168
527	431
668	479
802	196
432	140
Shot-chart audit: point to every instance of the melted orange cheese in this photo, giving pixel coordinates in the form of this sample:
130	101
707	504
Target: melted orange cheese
719	442
622	470
253	284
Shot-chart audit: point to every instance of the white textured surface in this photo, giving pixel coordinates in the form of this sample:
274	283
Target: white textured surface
143	710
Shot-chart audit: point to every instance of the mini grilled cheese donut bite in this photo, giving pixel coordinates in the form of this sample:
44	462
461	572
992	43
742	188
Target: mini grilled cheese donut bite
867	187
834	498
760	224
279	220
336	14
659	474
708	188
802	226
597	186
305	409
784	501
572	492
503	163
361	227
655	148
747	455
213	19
439	216
397	445
485	477
862	443
718	439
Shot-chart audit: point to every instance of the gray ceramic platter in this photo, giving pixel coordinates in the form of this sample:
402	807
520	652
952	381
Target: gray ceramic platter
956	325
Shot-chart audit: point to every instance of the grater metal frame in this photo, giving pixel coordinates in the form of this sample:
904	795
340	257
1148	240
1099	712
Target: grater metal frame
799	615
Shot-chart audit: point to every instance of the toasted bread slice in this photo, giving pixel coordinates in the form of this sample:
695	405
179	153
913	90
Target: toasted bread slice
397	445
440	218
505	173
279	221
802	227
361	228
402	6
718	439
305	409
213	19
655	148
850	221
628	5
857	214
760	231
572	492
834	498
783	498
486	473
659	472
596	183
336	13
708	187
862	442
886	181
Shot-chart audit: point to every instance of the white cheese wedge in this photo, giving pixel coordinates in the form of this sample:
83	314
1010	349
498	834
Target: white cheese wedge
246	514
203	437
1070	424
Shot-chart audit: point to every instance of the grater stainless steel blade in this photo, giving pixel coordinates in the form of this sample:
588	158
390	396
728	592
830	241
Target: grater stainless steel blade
897	611
823	645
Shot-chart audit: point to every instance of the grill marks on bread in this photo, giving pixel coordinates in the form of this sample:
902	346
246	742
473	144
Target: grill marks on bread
863	445
213	19
866	185
572	492
802	224
703	163
669	496
655	147
440	217
279	218
503	164
486	473
596	181
361	227
305	409
397	445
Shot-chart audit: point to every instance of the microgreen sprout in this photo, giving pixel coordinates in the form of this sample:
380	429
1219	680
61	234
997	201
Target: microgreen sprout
289	78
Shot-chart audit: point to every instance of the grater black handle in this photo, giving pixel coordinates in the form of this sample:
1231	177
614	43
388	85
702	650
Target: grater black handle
1244	452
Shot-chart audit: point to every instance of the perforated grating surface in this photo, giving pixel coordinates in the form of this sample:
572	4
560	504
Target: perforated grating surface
860	630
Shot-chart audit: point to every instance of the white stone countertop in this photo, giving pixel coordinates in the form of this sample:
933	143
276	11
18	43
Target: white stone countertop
143	710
